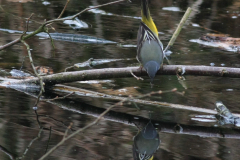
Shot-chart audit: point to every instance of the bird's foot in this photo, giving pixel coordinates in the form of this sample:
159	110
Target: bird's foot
138	78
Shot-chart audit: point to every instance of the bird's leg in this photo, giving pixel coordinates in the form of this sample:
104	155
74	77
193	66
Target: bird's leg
223	72
138	78
141	67
151	83
169	62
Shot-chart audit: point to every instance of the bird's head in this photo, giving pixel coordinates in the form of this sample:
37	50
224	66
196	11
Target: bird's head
152	67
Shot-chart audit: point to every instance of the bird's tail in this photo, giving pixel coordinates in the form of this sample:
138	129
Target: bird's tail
146	17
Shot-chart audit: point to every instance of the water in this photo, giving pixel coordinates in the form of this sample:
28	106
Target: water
118	23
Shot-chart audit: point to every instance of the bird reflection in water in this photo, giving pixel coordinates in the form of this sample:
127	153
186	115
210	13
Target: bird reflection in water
146	142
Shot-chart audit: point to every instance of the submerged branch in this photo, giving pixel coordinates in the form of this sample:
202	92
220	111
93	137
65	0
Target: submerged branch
84	92
128	119
65	137
107	73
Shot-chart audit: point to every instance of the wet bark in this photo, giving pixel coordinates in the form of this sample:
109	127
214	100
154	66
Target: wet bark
139	121
108	73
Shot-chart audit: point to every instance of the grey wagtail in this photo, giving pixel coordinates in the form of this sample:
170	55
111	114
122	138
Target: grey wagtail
149	46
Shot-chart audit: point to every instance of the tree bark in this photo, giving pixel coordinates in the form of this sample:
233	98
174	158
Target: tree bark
107	73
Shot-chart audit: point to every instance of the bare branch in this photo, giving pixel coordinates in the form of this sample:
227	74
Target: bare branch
10	43
58	97
33	67
42	27
4	150
26	26
106	73
137	100
63	9
50	132
56	120
179	28
86	9
29	145
52	42
65	138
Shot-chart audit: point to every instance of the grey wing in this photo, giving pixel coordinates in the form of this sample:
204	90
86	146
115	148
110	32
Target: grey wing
145	34
139	42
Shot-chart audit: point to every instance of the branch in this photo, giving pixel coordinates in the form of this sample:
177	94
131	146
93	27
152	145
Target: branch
65	138
33	67
82	92
86	9
107	73
10	43
80	107
165	127
43	29
50	132
178	30
4	150
63	9
29	145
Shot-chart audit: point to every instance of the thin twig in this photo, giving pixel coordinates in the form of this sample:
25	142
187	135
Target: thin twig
138	78
65	138
39	124
157	92
9	154
52	42
68	68
23	62
50	132
42	27
33	67
180	25
157	104
26	26
63	9
57	98
28	147
47	116
10	43
86	9
66	132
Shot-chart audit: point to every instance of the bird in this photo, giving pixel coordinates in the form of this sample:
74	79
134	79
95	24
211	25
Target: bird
149	47
146	142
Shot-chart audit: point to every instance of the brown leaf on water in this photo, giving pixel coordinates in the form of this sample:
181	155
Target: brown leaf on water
223	41
44	70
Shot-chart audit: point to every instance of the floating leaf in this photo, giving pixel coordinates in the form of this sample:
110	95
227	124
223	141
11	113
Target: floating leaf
221	41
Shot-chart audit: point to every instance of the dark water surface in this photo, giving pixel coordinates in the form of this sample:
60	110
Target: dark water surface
118	23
